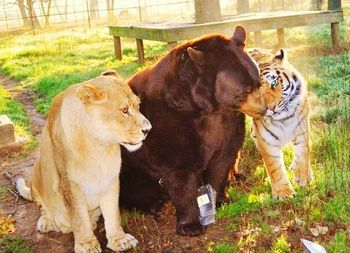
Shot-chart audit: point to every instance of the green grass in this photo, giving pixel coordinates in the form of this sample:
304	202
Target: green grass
221	247
340	243
11	244
49	62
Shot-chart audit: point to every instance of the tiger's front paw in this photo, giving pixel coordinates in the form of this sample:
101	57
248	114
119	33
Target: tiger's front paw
122	242
87	246
281	192
302	176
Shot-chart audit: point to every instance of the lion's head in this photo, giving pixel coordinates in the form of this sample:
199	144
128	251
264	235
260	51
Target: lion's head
111	111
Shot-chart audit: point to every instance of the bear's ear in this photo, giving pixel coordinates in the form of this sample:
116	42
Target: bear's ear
197	57
239	36
110	72
280	57
90	94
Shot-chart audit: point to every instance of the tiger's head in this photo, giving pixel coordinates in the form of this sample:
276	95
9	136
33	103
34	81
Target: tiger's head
272	75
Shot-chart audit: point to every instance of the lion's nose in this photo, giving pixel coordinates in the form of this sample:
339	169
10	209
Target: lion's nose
145	131
146	127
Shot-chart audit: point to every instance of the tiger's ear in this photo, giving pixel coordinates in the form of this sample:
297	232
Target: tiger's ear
90	94
280	56
197	57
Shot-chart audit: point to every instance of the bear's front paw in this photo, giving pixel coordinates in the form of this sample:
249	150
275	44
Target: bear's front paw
87	246
190	229
122	242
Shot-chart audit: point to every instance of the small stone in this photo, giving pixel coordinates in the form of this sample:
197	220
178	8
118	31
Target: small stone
7	131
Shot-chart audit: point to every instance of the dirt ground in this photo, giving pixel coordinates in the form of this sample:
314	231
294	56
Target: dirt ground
153	236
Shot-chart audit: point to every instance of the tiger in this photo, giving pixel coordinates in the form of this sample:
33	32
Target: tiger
286	120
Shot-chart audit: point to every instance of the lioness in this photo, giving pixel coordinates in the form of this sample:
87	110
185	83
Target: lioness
77	174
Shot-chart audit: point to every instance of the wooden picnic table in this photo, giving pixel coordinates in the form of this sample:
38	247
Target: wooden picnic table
253	22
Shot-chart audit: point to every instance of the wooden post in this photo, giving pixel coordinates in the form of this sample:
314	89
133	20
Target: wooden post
335	35
242	6
140	52
117	47
280	37
171	44
207	11
335	5
258	38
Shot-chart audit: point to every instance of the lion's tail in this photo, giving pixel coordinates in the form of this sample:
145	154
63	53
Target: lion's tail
21	187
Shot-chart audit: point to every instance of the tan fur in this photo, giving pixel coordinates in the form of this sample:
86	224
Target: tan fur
77	174
289	123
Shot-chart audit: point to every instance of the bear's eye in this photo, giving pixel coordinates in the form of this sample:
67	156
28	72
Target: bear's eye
125	110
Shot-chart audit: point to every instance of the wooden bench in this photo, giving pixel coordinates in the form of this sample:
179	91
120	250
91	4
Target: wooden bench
253	22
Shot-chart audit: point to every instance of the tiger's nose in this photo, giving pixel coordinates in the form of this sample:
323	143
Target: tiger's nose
271	107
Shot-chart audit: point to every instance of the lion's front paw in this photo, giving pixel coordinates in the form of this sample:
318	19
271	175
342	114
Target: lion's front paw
122	242
45	225
281	192
87	246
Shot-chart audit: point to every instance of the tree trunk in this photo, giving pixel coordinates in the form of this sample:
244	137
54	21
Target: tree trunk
207	11
46	12
110	8
334	4
34	22
242	6
93	9
23	13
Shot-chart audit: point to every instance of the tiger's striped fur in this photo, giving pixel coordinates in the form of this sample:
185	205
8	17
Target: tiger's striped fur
287	120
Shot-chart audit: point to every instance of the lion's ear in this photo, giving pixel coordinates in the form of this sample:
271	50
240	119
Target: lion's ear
110	72
89	94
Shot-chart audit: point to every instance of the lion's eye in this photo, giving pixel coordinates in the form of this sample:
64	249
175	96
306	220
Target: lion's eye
125	110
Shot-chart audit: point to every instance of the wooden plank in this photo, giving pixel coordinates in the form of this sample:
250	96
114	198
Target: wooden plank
172	44
140	51
258	38
117	47
280	37
335	35
258	22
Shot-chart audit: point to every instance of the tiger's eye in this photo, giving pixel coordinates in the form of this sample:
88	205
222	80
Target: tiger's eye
273	83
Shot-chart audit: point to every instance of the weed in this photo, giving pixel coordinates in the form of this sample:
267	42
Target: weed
16	244
281	245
